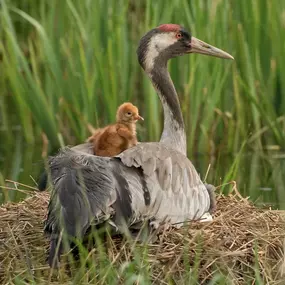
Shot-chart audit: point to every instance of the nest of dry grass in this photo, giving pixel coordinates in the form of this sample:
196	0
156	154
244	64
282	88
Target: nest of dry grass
241	242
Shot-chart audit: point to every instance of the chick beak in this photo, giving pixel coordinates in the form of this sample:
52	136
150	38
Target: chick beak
138	117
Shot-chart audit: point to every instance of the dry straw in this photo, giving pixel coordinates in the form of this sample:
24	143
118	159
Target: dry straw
243	243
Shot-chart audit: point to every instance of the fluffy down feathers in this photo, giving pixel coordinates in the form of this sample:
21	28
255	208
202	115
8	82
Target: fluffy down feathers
114	139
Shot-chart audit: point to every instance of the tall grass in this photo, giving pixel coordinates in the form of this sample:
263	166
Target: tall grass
69	63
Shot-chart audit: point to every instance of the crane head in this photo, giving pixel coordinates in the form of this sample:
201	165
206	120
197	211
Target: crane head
172	40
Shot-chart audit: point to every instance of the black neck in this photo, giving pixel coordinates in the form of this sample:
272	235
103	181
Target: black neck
173	131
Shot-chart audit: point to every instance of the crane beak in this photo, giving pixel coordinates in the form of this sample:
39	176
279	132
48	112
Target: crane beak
198	46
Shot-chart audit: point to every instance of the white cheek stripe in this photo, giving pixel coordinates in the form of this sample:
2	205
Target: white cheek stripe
156	45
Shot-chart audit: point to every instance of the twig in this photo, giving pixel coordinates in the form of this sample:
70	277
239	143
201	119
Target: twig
16	189
18	183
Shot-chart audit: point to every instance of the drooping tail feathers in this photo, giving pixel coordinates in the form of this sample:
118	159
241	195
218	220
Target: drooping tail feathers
87	190
56	249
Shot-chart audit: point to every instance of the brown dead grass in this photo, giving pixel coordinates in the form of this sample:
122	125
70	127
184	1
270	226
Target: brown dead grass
239	235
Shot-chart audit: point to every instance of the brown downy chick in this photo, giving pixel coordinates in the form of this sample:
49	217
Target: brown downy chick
114	139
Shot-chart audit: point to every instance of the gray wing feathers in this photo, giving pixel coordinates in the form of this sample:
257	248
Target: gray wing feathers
82	197
84	147
82	191
107	185
169	164
90	189
176	189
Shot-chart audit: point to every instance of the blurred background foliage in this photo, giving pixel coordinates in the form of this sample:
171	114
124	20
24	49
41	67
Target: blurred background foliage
70	63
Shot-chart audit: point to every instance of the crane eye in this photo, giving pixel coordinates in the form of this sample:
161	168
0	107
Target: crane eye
179	35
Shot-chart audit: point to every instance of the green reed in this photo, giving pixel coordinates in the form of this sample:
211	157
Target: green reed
67	64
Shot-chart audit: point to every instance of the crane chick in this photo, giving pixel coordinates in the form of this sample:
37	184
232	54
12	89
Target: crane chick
115	138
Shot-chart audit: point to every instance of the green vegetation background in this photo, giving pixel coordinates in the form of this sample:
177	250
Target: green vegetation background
66	64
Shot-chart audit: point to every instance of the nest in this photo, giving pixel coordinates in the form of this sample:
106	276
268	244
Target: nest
243	244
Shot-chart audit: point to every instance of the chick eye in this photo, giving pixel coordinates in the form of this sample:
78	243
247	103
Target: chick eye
129	113
178	35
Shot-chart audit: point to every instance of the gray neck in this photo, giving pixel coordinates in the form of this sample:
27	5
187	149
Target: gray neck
173	131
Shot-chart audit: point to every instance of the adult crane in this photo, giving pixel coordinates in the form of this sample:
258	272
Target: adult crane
152	181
